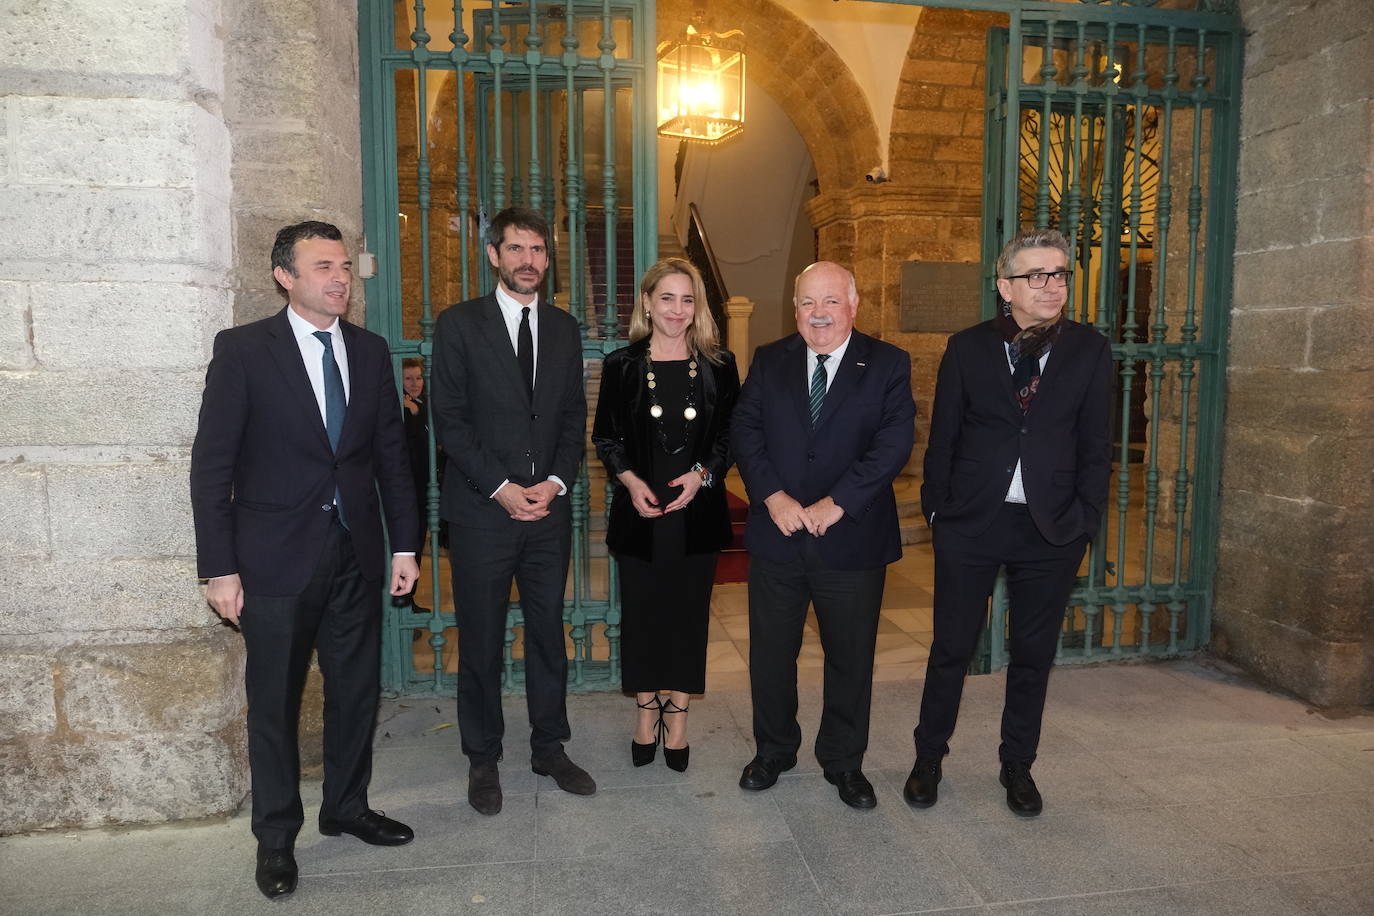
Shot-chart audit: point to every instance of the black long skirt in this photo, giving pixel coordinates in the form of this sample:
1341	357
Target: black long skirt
665	615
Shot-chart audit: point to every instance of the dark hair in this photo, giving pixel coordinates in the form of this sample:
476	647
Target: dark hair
284	248
412	362
520	218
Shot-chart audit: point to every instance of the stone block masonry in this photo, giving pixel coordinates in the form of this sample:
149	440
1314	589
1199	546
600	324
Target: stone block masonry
1294	583
147	156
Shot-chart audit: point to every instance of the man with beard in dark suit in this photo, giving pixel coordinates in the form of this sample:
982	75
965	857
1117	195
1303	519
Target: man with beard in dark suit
1016	475
300	428
511	413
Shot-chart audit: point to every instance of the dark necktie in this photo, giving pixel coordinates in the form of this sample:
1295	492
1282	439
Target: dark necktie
524	351
335	404
818	387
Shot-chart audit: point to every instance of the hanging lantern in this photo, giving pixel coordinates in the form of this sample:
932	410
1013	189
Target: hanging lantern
701	86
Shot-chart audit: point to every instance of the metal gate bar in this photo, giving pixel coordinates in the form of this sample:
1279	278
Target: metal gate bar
497	142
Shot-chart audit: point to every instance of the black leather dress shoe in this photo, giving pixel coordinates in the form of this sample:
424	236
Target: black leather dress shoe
1023	797
372	827
855	789
762	772
922	787
276	873
484	788
569	776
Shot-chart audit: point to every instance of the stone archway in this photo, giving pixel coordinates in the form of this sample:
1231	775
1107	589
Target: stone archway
803	74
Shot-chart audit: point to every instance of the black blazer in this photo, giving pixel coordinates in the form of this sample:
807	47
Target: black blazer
263	475
624	438
490	429
977	433
861	442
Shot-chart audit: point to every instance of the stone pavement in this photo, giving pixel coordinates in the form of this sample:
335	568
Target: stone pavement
1176	788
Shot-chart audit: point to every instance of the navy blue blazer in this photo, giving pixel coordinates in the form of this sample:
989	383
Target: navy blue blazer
978	432
263	476
859	445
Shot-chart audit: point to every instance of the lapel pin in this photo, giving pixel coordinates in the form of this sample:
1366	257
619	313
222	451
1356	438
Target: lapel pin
863	365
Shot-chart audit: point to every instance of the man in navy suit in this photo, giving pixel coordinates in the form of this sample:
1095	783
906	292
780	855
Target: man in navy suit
1016	475
823	425
300	428
511	413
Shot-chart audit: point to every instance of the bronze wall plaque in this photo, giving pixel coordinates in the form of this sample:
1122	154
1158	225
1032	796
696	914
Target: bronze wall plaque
940	297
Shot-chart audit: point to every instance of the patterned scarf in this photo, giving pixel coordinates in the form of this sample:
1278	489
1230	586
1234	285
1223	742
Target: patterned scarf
1025	347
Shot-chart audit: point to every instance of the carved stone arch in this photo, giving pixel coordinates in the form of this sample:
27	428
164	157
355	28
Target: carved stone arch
802	73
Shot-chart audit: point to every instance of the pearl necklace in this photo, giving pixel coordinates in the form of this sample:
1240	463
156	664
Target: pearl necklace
689	413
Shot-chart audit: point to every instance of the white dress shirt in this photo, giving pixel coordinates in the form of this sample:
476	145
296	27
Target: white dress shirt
511	313
312	354
831	364
1016	493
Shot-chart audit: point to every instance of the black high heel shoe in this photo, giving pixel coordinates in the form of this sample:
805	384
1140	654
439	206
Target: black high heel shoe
643	754
675	757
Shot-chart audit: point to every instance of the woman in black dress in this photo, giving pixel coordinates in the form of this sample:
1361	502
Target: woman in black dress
662	430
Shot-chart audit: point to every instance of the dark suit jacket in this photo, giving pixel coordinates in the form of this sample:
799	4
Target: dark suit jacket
860	444
490	429
263	475
625	439
977	433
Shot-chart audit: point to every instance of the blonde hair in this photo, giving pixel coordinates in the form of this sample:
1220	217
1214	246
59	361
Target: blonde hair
702	337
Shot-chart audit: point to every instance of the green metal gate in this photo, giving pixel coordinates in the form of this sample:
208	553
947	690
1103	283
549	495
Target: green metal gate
1118	125
466	109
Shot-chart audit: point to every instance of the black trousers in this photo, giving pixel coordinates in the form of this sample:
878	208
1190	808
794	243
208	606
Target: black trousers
338	616
484	561
847	605
1040	576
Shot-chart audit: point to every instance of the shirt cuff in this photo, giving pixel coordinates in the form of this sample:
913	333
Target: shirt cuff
404	553
498	489
562	487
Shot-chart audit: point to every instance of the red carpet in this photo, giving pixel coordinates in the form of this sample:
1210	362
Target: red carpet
733	565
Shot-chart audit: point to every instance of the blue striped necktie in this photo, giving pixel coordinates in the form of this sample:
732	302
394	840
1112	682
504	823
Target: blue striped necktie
335	404
818	387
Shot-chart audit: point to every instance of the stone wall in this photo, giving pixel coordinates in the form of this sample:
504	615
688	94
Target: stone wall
1295	586
142	176
930	209
120	697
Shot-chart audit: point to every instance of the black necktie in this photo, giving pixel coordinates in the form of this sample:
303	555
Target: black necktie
524	351
818	387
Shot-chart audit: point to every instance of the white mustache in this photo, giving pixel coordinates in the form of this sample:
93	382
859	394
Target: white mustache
824	322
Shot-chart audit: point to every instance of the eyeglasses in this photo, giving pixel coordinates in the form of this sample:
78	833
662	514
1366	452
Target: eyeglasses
1038	279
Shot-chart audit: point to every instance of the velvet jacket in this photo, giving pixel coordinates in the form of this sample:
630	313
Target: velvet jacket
625	437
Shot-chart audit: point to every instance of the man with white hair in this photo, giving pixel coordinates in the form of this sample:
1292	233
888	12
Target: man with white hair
823	425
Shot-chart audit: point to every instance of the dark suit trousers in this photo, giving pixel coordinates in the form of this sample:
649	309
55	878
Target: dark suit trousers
483	563
1040	576
847	604
339	616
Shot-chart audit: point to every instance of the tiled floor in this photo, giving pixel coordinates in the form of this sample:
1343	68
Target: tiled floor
1171	788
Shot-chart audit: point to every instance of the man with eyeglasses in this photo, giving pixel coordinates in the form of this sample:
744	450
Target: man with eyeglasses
1016	474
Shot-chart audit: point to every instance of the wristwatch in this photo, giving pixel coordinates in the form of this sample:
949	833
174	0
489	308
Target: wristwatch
706	477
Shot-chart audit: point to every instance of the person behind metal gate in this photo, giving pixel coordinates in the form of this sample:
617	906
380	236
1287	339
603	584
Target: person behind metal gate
1016	474
662	430
823	427
511	413
300	430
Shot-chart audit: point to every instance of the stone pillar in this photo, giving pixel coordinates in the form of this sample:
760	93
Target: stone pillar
1294	583
121	697
738	310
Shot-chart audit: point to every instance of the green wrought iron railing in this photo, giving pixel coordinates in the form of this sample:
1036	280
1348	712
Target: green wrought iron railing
468	108
1119	127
